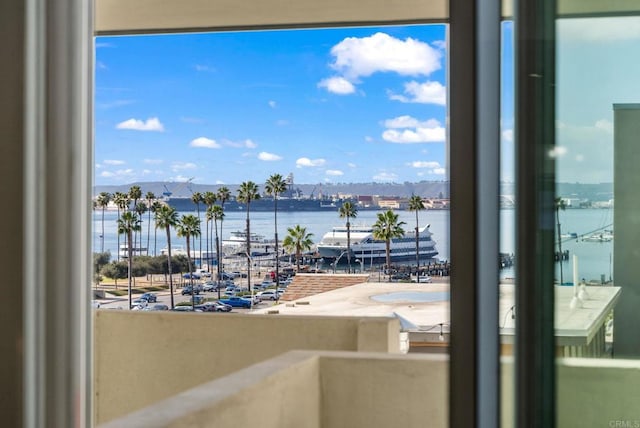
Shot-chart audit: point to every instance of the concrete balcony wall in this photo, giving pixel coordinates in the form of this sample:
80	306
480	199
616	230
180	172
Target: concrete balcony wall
312	390
141	358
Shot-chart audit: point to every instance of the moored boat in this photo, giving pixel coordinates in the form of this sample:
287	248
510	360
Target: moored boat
366	248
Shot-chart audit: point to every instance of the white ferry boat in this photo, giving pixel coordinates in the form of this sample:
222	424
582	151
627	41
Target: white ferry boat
367	249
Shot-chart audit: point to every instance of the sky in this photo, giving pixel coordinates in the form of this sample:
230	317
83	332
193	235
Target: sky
331	105
334	105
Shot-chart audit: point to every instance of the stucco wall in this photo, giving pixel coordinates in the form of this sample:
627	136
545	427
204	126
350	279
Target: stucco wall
141	358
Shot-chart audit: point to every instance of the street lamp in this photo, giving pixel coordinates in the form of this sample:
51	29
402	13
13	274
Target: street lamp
361	265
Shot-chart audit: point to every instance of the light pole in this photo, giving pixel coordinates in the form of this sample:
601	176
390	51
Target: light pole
337	260
361	265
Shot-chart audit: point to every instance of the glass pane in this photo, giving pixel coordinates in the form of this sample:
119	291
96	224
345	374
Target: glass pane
597	125
348	117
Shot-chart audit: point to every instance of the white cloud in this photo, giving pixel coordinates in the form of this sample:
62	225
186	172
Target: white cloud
113	162
356	57
408	130
439	171
423	93
146	171
337	85
205	142
114	104
424	164
272	104
305	162
107	174
268	157
153	161
334	172
177	166
507	135
351	165
368	139
440	44
192	120
121	173
101	65
385	176
604	125
242	144
151	124
557	152
220	182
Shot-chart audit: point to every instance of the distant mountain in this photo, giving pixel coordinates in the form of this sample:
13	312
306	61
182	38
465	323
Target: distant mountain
431	189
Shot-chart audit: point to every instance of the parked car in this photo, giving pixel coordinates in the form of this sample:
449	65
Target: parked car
256	299
192	275
214	307
270	295
149	297
210	286
139	304
157	307
197	288
236	302
185	308
423	279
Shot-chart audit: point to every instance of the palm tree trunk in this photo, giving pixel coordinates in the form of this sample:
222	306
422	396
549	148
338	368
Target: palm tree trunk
193	292
169	265
207	245
348	245
148	230
417	246
200	238
248	252
388	248
275	222
102	236
118	249
129	267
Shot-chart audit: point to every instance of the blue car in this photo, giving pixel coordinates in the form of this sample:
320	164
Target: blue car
236	302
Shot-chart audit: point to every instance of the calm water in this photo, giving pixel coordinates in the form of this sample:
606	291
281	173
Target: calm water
594	258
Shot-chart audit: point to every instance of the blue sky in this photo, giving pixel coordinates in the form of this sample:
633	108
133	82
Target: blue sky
334	105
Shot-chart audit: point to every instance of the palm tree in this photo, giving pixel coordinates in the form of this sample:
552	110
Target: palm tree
560	204
127	224
154	209
189	226
216	213
140	209
135	193
386	228
224	194
247	192
298	240
150	197
122	202
349	211
209	198
274	186
416	204
167	217
102	202
196	198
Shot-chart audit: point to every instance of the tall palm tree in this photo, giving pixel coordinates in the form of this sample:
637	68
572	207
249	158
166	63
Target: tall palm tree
416	204
140	209
154	209
560	204
166	218
103	200
196	198
274	186
188	227
150	197
224	194
209	198
135	193
386	228
127	224
349	211
122	202
216	213
247	192
298	240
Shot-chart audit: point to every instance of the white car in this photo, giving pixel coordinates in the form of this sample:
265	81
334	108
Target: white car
423	278
139	304
269	295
